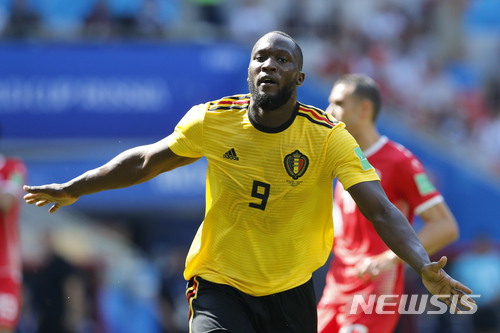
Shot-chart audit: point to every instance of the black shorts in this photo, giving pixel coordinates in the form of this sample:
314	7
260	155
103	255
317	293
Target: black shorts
217	307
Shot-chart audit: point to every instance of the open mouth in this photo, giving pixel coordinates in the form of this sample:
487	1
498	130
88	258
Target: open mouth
268	80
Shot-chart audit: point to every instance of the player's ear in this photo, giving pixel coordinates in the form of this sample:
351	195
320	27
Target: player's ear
300	78
367	109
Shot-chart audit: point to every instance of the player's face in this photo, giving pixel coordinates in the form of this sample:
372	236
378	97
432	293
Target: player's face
273	72
343	105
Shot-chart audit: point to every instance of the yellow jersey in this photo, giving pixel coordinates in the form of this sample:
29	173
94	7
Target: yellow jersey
268	221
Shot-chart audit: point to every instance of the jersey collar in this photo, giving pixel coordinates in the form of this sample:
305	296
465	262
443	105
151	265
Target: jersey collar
376	146
278	129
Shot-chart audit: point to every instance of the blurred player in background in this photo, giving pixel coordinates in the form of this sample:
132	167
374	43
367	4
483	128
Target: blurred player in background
363	264
12	177
268	222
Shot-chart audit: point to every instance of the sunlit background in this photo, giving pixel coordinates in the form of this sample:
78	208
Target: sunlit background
83	80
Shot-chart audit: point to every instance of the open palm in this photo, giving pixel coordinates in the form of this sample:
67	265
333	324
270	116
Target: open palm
443	286
47	194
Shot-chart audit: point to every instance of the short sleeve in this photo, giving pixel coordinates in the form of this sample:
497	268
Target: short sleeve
347	161
415	186
187	138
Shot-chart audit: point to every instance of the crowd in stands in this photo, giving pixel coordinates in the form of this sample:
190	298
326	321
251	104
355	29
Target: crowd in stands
434	59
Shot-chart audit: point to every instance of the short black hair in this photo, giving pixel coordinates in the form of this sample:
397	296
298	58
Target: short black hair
297	48
364	88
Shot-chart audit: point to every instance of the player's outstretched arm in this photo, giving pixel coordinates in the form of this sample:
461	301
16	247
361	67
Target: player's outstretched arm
131	167
395	230
440	229
391	225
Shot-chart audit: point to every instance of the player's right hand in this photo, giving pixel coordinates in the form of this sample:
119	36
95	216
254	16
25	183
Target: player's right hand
47	194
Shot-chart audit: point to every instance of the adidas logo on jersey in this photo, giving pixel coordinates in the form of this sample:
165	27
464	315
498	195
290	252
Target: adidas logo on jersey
231	155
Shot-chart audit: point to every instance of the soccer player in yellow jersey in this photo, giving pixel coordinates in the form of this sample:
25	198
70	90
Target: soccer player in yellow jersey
268	223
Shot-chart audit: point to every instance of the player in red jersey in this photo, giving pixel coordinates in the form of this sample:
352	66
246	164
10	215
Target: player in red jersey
363	264
12	177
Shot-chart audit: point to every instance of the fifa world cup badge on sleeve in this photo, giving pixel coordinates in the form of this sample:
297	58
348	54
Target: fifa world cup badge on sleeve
364	161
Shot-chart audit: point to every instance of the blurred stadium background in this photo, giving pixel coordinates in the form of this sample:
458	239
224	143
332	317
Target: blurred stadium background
83	80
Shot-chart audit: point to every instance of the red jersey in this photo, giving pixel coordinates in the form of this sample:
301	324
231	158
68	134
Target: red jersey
405	182
12	177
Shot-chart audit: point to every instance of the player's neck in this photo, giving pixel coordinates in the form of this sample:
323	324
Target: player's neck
273	118
367	137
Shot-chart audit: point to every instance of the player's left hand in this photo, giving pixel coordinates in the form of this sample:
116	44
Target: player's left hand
371	267
447	289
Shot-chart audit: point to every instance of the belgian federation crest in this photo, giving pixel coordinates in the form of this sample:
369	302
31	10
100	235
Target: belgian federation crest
296	164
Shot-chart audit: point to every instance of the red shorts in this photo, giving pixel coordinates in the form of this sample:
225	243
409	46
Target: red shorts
335	318
352	307
10	303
